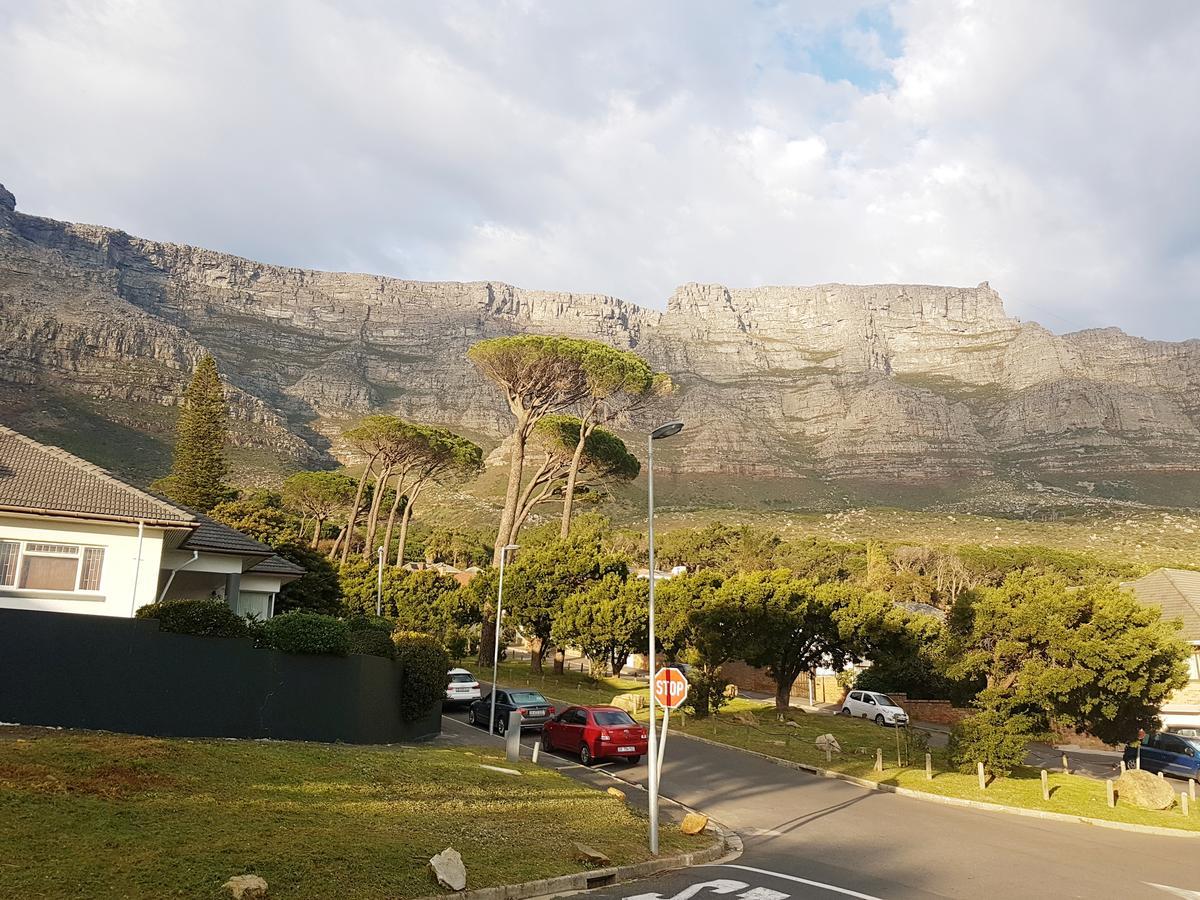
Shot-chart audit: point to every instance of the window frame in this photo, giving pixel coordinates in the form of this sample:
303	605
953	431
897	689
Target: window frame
55	550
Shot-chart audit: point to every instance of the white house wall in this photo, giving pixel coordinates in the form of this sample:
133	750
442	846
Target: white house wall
119	592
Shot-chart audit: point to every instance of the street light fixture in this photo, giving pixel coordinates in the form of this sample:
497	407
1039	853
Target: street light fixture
379	584
496	650
662	431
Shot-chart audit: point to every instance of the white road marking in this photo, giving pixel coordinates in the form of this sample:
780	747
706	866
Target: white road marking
762	893
817	884
718	886
1177	892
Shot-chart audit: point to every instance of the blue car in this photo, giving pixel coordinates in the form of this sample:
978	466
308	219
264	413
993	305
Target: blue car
1171	754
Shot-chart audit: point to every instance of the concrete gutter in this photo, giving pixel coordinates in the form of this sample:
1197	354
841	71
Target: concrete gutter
726	845
950	801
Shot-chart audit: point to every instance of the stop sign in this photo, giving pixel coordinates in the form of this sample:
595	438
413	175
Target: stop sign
670	687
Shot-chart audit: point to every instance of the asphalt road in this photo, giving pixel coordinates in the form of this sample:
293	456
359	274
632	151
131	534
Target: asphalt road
806	836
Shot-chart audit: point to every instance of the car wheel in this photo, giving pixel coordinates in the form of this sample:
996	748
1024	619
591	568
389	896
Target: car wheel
501	725
634	760
585	754
845	710
879	719
547	742
471	716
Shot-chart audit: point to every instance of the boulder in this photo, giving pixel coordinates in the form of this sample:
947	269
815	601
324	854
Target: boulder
1140	788
693	823
616	792
828	742
246	887
731	691
631	703
449	870
591	855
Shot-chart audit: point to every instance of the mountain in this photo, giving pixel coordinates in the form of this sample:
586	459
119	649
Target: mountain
873	383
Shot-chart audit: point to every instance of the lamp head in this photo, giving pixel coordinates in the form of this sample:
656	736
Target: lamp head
507	547
665	431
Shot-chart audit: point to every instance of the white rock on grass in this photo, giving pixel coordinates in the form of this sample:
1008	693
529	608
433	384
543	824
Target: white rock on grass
449	869
246	887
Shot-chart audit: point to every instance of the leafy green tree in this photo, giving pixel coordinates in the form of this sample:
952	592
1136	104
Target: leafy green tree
725	548
606	620
675	598
317	590
319	496
996	737
542	578
1090	658
198	469
372	438
457	547
717	627
262	516
789	626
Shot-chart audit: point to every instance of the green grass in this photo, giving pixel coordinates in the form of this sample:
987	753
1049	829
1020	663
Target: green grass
753	725
100	815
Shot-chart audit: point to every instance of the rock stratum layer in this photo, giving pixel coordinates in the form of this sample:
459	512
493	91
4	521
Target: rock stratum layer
845	381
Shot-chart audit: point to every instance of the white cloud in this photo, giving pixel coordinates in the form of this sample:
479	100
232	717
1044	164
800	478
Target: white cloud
625	148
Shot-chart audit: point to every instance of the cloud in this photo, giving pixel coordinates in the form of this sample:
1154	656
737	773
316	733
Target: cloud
625	148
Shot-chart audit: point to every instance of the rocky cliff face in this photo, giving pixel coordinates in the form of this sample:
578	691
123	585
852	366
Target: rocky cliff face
859	381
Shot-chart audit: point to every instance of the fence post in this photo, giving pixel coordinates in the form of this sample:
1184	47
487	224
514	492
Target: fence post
1192	788
982	778
878	759
1108	793
1160	774
537	747
828	754
1122	767
1045	785
1066	765
929	767
1183	802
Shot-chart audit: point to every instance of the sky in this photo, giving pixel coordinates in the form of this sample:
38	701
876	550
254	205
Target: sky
1049	147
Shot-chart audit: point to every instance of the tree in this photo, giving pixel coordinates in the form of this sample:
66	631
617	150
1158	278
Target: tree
538	375
541	579
198	469
727	548
607	620
371	438
439	456
789	626
260	515
457	547
1090	658
317	590
319	496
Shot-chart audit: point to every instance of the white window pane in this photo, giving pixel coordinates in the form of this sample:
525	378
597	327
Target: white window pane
93	563
55	549
8	561
49	573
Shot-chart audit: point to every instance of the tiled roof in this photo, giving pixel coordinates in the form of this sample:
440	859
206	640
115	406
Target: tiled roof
44	479
277	565
213	537
1177	593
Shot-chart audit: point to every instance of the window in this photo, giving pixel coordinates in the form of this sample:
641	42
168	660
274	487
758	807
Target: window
884	699
34	566
525	697
1172	744
577	717
855	695
612	717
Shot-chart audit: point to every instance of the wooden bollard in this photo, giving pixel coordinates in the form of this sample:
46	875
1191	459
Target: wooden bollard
1122	767
929	767
1183	802
1066	765
828	754
1108	793
1045	785
1160	774
982	778
878	759
1192	788
537	747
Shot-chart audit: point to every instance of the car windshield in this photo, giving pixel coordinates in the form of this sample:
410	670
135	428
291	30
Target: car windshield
526	697
462	677
613	717
884	700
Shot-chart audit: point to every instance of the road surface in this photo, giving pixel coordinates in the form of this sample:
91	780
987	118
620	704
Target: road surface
806	836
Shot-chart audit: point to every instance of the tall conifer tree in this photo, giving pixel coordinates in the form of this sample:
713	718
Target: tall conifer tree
198	470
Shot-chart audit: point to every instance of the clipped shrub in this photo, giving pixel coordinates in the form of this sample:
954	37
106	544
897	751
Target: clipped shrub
207	618
994	737
307	632
425	663
371	636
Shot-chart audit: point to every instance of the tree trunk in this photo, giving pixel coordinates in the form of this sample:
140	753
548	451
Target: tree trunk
385	475
512	494
337	542
358	495
316	538
572	477
560	659
405	518
783	693
391	520
537	649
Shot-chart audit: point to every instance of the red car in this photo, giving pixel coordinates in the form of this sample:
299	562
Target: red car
595	732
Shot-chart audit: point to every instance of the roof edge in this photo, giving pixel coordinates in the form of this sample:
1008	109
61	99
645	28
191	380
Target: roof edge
98	517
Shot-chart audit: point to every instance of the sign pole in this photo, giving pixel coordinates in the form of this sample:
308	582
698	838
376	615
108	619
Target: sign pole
662	746
652	767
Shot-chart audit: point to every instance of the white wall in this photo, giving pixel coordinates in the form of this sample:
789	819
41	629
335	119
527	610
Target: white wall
118	593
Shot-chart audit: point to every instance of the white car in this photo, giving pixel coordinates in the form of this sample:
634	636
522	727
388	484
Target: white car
873	705
461	687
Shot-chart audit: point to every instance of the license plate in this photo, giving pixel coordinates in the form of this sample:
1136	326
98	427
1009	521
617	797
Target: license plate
625	749
535	714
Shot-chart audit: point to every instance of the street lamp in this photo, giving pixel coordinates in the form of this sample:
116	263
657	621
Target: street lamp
662	431
496	650
379	585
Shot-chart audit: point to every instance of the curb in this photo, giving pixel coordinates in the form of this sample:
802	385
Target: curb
725	844
952	801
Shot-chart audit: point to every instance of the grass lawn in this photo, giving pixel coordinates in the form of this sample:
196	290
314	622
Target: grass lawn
755	726
88	814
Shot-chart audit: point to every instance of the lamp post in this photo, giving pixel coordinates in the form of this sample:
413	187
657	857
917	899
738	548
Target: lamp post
662	431
379	585
496	650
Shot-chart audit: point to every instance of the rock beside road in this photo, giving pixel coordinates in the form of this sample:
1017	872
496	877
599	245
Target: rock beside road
828	742
1143	789
246	887
591	855
631	703
449	869
693	823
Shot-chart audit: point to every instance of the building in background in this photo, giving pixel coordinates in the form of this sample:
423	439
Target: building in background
1177	593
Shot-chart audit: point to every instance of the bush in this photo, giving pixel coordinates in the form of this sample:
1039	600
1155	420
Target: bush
706	692
994	737
208	618
307	632
425	664
371	636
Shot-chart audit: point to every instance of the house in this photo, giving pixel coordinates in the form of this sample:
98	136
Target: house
74	538
462	576
1177	593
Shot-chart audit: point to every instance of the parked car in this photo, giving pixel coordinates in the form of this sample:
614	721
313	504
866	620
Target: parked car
535	709
596	732
1171	754
874	705
1187	731
462	687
